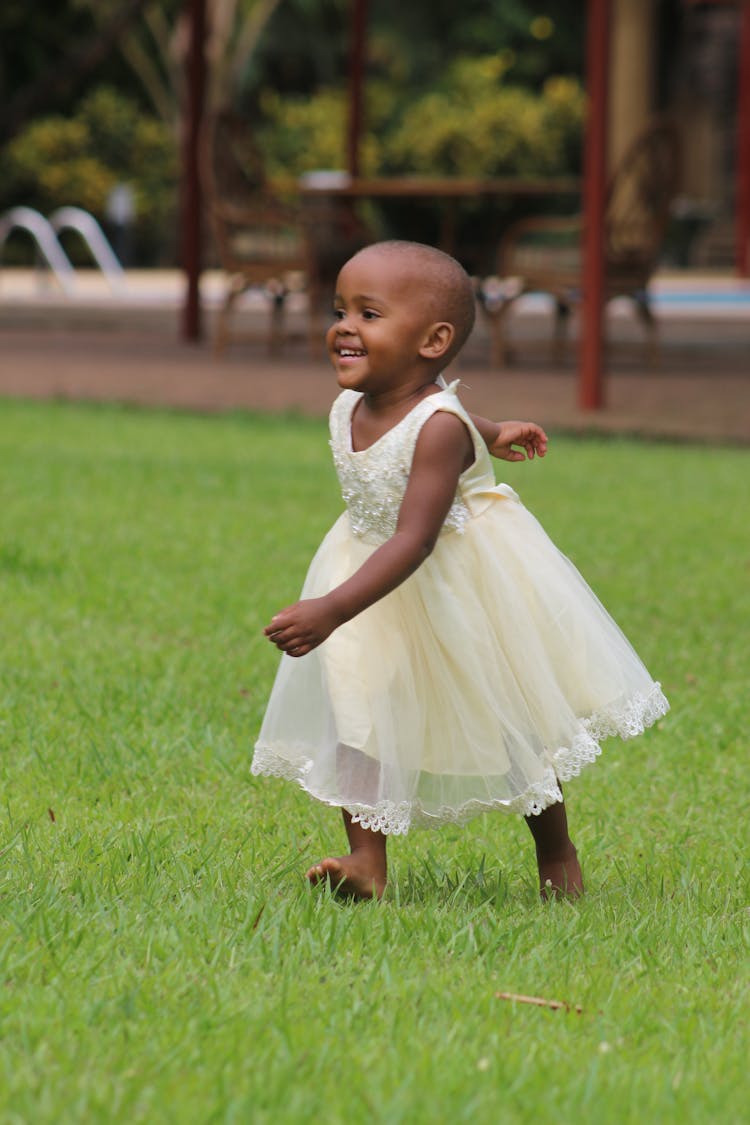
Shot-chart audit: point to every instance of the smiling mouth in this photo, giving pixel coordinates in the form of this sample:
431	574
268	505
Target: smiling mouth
350	353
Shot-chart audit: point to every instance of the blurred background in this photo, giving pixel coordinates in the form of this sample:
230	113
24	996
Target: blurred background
250	145
93	93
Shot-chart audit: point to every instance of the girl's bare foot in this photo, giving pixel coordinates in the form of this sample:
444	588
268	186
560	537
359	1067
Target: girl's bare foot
362	873
560	876
352	876
559	870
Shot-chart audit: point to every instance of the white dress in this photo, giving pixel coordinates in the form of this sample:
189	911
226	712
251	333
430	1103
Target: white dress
489	674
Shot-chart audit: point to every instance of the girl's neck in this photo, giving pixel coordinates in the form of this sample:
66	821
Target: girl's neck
396	398
374	415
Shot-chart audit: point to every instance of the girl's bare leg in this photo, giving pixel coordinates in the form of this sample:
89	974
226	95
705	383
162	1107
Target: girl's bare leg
559	869
362	873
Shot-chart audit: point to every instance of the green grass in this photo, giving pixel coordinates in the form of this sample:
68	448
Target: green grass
161	958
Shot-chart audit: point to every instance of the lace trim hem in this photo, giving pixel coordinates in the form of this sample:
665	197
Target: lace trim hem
396	818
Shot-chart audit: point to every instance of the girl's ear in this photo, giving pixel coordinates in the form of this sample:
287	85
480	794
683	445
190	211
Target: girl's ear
438	340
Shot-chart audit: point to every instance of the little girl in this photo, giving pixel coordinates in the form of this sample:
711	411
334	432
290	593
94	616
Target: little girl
445	658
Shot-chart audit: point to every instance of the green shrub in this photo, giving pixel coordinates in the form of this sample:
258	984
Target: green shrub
58	161
300	134
470	124
474	125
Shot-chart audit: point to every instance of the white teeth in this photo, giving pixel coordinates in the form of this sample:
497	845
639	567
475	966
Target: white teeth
350	353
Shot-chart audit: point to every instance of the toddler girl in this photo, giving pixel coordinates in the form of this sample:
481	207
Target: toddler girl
445	659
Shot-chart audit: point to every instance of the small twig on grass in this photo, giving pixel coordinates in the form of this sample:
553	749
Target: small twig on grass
539	1001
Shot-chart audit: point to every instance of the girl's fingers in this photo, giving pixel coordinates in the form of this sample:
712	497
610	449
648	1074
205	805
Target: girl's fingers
275	629
280	621
285	634
301	648
288	641
291	641
281	637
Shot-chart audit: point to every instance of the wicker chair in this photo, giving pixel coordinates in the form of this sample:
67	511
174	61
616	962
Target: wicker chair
259	234
543	254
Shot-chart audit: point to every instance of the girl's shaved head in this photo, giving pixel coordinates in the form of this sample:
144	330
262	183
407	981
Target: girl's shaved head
438	280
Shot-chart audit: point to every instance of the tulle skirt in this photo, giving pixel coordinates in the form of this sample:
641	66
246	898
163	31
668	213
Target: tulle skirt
485	679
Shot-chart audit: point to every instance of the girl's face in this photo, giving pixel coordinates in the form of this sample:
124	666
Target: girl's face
382	322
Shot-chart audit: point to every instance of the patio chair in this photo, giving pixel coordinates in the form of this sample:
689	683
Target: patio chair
259	233
543	254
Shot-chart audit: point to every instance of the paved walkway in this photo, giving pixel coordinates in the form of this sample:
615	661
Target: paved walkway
103	349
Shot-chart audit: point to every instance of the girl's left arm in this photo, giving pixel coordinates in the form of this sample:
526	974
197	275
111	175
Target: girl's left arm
442	452
501	437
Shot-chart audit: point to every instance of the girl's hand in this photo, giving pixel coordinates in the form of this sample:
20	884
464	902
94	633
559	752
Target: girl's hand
528	435
301	627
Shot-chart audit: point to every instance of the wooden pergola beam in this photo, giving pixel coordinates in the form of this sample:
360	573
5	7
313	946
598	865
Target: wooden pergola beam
357	55
742	202
591	355
191	202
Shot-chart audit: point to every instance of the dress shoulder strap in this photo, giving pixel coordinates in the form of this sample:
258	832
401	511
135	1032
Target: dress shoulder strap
339	419
448	401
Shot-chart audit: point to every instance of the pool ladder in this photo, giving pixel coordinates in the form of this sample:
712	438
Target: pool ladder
45	234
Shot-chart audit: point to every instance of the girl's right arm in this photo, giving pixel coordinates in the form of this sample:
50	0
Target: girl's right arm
442	452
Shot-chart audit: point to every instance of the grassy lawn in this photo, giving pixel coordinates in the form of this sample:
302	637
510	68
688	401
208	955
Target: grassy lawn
161	958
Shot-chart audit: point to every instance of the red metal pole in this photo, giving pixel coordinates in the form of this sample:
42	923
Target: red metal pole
742	202
357	52
191	198
590	381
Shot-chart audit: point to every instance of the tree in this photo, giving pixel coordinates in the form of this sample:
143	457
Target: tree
411	44
154	47
33	76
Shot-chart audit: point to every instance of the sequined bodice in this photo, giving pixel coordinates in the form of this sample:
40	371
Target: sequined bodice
373	481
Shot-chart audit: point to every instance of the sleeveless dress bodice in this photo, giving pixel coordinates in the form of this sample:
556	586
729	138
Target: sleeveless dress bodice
373	480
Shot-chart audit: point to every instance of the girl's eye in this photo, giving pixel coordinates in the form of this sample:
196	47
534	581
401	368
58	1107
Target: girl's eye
366	314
